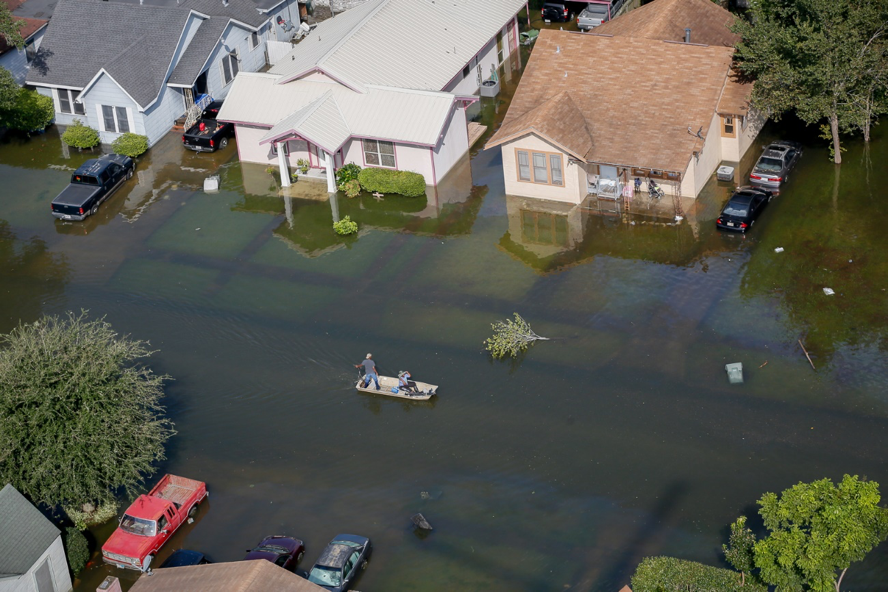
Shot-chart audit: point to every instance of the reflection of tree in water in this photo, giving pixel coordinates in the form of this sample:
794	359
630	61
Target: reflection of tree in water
832	231
30	275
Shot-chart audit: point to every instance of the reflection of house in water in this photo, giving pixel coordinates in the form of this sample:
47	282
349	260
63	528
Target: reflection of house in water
549	236
449	209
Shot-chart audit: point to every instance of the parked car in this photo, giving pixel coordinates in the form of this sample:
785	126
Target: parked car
91	184
184	557
744	207
340	563
151	521
556	12
593	15
773	165
280	550
207	134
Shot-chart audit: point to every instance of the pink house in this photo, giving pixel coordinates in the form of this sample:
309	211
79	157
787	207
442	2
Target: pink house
402	105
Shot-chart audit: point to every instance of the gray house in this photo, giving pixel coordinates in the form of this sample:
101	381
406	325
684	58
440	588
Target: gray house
125	66
32	558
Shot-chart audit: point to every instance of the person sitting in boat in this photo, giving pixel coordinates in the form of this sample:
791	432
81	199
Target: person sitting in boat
369	371
404	382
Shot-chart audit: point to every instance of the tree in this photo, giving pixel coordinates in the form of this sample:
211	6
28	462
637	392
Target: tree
816	531
80	419
511	337
9	89
10	27
812	57
740	548
31	112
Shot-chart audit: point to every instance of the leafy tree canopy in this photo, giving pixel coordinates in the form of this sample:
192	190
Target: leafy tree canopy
79	417
816	531
816	57
10	27
740	548
9	90
511	338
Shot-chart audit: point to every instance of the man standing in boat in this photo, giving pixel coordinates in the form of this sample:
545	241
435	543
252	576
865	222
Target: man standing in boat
369	371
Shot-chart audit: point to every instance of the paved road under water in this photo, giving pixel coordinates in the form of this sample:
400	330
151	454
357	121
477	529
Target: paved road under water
619	439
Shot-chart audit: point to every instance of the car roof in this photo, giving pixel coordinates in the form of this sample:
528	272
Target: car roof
94	166
770	153
335	555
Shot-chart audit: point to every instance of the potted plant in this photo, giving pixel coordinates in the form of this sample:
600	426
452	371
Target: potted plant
303	165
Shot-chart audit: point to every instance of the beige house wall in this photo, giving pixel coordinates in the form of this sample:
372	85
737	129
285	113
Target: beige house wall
708	158
574	189
734	148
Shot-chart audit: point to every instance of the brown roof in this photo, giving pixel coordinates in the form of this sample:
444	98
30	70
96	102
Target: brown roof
30	27
635	98
667	20
735	98
239	576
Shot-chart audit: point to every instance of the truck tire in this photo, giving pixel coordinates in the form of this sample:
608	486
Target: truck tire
193	511
129	174
93	211
300	556
223	143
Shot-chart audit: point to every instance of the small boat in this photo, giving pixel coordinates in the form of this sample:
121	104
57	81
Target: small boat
388	386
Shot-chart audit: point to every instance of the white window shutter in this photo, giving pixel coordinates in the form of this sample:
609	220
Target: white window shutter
129	119
101	118
55	100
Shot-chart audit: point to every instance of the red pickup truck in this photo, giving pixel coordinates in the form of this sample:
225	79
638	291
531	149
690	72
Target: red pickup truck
151	521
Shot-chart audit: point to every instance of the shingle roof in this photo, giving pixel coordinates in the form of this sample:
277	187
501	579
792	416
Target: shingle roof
559	120
635	115
384	113
237	576
420	44
666	20
133	43
198	51
31	26
244	11
735	98
25	533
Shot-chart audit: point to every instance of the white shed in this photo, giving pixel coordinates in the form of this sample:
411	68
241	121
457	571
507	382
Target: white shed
32	558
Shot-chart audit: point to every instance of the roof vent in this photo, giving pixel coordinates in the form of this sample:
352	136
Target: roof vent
224	2
557	49
687	35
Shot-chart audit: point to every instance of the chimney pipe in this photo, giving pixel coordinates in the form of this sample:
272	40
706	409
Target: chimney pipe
687	35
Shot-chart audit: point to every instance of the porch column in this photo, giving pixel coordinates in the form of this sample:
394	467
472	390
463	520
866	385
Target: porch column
282	163
331	179
334	207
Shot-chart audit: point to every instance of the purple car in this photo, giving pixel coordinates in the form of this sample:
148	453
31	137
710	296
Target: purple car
280	550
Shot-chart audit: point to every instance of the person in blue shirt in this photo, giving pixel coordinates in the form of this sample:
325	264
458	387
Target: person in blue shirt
369	371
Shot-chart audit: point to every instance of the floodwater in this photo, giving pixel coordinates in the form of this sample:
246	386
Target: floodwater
619	439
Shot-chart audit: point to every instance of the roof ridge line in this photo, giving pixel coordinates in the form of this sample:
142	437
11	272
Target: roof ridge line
415	91
351	33
312	107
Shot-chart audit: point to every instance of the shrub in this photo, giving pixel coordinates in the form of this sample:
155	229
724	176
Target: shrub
389	181
345	226
348	172
30	112
76	548
130	144
668	574
294	176
352	188
80	136
303	165
271	170
89	515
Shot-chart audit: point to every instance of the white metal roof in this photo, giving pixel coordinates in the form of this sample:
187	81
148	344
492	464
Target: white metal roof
328	113
420	44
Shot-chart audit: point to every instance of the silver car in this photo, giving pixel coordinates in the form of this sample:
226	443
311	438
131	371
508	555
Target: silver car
773	165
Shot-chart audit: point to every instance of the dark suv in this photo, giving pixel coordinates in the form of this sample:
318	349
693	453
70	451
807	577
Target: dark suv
556	12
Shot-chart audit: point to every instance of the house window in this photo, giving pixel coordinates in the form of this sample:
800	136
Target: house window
379	153
467	70
523	166
67	102
115	119
728	126
545	166
254	40
274	148
229	67
43	577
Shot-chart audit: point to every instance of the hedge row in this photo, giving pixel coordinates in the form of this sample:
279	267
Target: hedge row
389	181
668	574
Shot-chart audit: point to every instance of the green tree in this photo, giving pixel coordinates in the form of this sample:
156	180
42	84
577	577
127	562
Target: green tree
31	112
813	57
11	27
816	531
80	418
9	90
739	551
510	338
76	548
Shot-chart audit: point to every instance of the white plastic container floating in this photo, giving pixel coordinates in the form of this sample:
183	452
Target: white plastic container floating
725	173
735	372
211	184
778	250
829	291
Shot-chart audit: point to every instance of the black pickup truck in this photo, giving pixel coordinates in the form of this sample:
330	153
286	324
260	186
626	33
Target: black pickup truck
207	134
91	184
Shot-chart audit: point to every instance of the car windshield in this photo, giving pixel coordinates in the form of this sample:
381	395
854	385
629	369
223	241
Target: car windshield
736	209
138	526
85	180
272	549
771	165
325	576
347	543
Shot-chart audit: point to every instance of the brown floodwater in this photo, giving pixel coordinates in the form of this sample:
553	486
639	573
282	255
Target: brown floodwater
619	439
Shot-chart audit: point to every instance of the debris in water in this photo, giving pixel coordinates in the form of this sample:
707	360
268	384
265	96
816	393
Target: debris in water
420	522
735	372
765	364
829	291
778	250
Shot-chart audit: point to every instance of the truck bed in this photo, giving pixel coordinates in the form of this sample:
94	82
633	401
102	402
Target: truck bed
177	490
75	195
